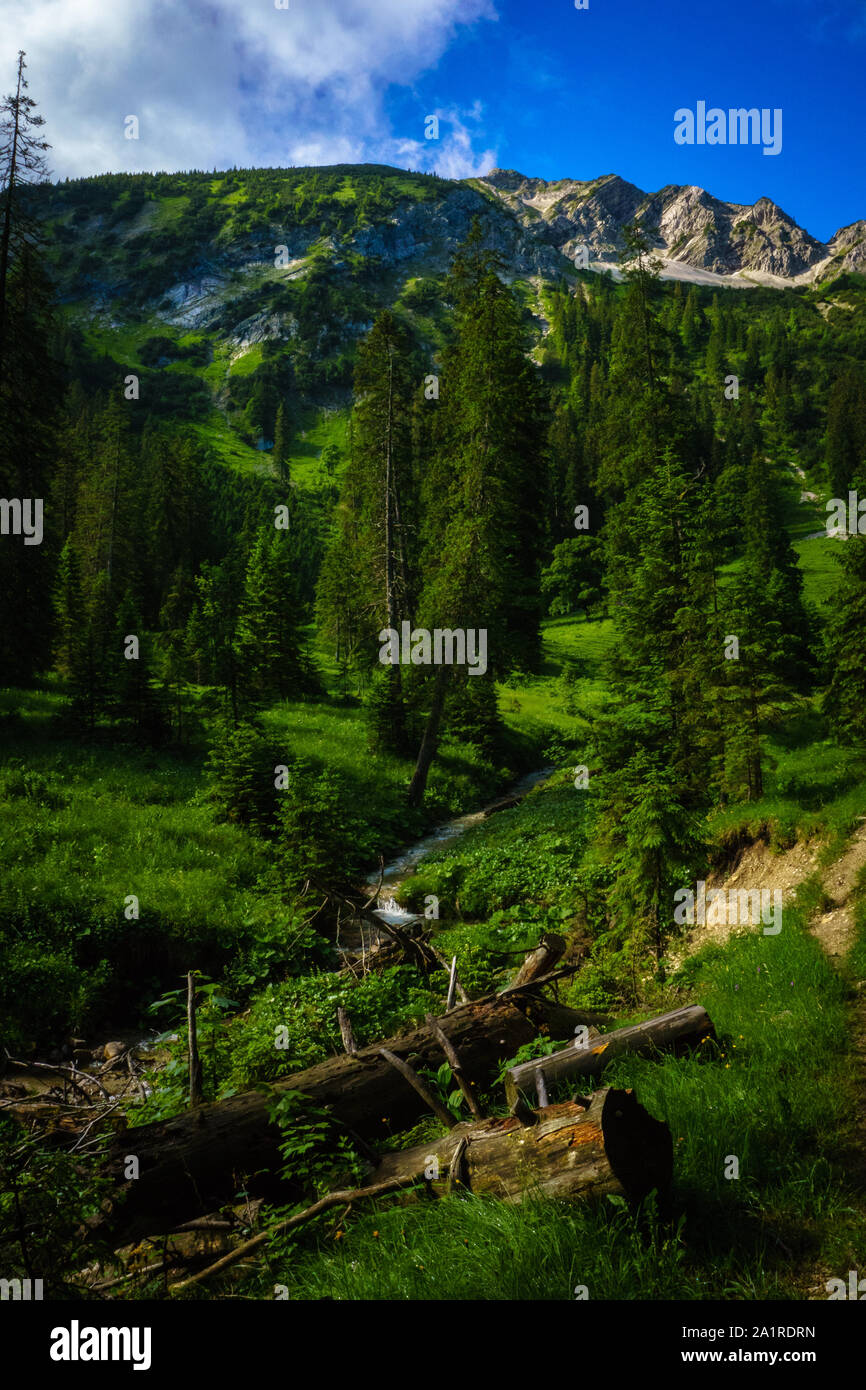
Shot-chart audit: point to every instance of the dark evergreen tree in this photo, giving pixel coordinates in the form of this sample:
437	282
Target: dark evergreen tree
774	573
267	642
483	497
135	700
845	447
22	162
69	613
282	442
659	844
30	392
845	698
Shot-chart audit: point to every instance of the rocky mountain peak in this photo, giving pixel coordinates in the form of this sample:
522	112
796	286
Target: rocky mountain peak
699	236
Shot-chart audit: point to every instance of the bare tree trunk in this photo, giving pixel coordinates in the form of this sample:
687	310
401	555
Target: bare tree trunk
401	550
350	1047
429	742
542	960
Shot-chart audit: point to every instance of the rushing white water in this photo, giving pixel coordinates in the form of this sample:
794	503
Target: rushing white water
358	940
390	911
405	864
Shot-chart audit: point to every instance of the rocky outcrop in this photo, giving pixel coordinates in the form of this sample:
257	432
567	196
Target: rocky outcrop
849	245
430	232
694	228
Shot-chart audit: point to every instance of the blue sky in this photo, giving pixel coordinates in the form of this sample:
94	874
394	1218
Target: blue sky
582	93
541	87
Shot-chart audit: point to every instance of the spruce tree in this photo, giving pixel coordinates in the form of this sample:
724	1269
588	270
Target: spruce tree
370	531
662	597
483	500
691	322
368	579
750	688
660	844
267	646
30	393
845	440
282	443
94	670
776	577
484	492
845	698
69	613
22	162
134	699
210	629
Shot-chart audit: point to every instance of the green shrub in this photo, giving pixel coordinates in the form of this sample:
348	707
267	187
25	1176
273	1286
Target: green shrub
379	1005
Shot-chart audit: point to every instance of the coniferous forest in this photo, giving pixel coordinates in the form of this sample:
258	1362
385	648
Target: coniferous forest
381	632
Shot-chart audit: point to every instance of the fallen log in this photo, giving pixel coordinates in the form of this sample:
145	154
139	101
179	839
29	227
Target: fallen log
193	1163
569	1150
672	1032
611	1145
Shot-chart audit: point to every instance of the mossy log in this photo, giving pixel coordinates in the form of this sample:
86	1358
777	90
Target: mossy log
608	1145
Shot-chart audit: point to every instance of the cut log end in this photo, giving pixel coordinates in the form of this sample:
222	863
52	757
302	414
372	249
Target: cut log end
639	1148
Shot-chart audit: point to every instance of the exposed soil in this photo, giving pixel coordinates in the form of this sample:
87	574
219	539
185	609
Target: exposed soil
835	929
757	867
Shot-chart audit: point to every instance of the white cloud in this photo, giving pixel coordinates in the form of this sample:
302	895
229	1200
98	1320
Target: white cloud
221	82
453	155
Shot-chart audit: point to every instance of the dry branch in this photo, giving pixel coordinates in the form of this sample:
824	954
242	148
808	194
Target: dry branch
333	1199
